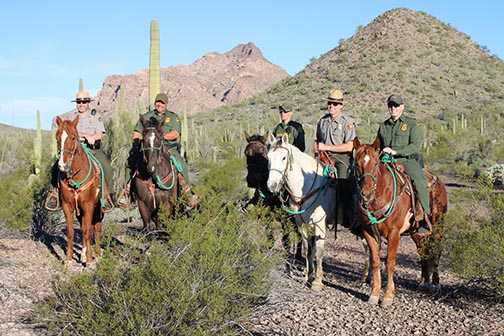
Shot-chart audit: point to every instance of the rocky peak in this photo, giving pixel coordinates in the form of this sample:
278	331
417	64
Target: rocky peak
211	81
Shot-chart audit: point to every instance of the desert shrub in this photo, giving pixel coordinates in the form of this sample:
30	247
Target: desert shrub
203	280
474	243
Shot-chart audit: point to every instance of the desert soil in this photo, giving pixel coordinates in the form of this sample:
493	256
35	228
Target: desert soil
27	269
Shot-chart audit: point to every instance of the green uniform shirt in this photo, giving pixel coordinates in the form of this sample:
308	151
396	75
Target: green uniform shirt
295	132
403	135
172	122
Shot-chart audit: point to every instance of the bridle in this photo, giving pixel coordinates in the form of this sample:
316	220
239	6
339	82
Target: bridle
365	202
297	200
160	150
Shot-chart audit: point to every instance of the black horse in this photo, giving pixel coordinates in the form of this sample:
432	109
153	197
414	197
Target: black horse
155	183
257	176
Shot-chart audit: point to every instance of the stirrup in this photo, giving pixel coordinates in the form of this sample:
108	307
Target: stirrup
193	201
108	206
123	201
52	201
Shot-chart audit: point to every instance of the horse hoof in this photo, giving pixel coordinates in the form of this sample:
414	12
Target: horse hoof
317	286
386	303
373	300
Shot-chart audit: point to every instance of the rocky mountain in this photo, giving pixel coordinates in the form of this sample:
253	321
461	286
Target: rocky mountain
211	81
434	66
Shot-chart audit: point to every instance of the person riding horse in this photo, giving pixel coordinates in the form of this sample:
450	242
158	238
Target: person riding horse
333	144
172	129
401	137
91	130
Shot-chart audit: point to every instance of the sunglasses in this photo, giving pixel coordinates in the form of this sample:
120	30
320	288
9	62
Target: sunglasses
284	111
82	102
391	105
334	103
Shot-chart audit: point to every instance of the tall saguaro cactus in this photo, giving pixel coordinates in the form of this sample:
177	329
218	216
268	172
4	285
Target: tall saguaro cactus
154	65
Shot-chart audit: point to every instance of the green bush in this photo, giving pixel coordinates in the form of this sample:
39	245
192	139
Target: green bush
475	244
203	280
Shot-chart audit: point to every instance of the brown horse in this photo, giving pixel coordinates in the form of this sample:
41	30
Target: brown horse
81	189
155	183
386	211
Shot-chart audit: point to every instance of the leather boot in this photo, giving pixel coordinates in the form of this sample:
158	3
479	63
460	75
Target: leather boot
189	194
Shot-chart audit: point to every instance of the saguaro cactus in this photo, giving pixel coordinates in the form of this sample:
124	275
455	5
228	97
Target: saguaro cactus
154	67
37	152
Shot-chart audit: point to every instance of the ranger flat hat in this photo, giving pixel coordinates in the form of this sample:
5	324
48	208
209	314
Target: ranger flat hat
335	96
396	99
82	96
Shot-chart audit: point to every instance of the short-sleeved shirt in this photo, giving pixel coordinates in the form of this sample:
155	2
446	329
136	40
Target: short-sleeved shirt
335	131
88	124
403	135
172	122
294	130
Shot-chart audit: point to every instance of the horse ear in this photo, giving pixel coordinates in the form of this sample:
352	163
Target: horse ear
58	121
247	136
376	143
75	122
271	138
285	138
356	143
141	118
265	136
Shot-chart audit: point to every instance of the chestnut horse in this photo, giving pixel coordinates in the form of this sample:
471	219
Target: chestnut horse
81	189
155	183
386	210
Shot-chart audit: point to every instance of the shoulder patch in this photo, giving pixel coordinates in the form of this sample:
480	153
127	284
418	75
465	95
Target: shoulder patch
178	119
419	124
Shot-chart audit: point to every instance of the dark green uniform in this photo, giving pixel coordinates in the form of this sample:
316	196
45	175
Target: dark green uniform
172	122
405	137
336	132
295	132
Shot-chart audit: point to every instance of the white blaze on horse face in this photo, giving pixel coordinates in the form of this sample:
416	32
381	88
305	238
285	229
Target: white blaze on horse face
277	163
151	138
366	159
61	163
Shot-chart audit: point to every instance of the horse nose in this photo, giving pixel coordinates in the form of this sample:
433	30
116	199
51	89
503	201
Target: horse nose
273	186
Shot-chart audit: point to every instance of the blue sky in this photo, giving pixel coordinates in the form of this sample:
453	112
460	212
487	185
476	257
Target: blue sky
46	46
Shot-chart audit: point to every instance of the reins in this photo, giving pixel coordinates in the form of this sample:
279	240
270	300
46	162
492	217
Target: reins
385	159
299	200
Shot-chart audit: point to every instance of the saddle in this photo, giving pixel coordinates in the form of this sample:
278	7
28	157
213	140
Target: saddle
418	212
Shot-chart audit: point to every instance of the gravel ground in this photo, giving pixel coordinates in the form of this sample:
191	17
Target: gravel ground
341	308
27	269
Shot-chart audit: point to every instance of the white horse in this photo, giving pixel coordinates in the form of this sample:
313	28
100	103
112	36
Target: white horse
311	198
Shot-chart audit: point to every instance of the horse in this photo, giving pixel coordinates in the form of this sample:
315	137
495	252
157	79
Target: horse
256	152
386	211
155	183
82	189
311	197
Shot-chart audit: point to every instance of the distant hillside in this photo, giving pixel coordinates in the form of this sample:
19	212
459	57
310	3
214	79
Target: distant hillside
213	80
438	70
